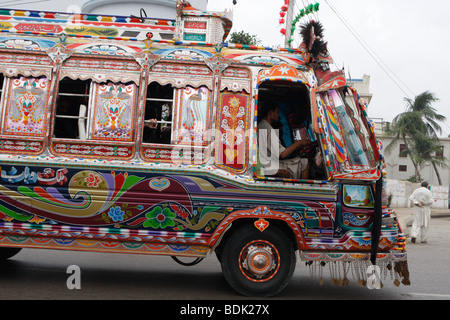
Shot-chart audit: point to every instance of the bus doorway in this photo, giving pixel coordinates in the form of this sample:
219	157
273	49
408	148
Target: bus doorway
287	145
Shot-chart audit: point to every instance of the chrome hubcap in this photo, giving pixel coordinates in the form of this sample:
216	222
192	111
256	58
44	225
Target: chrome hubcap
259	261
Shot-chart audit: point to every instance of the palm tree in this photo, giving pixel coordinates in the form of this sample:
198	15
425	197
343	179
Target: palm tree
422	105
426	150
419	129
403	127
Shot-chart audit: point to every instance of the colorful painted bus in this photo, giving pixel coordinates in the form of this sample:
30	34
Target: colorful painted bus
139	136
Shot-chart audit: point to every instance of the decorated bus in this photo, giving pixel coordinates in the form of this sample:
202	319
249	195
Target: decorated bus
146	136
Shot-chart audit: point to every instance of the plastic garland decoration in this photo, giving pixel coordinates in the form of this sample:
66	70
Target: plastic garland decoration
311	8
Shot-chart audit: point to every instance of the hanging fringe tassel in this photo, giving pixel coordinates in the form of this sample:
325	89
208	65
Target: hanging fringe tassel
341	270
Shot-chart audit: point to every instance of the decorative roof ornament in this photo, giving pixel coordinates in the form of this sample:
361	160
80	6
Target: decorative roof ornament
218	63
146	58
59	53
315	48
201	26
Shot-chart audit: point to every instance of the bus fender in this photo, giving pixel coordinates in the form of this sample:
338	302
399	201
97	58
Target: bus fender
261	217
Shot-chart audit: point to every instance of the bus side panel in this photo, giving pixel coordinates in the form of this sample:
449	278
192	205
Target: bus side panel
151	207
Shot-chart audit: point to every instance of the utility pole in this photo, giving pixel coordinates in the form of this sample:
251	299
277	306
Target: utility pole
289	19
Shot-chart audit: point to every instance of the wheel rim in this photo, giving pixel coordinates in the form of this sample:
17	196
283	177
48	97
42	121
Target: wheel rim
259	261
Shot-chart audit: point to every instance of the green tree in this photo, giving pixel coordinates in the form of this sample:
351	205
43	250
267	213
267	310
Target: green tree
423	105
242	37
418	127
405	126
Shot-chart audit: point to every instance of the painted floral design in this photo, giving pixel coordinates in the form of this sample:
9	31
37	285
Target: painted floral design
20	44
116	214
186	55
93	180
160	218
105	49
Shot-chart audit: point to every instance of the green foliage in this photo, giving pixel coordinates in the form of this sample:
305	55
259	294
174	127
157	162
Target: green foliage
418	127
242	37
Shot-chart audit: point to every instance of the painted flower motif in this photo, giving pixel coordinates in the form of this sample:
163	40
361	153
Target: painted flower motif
93	180
264	59
20	44
160	218
186	54
180	211
116	214
105	49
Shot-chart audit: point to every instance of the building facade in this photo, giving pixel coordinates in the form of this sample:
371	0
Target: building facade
363	87
400	167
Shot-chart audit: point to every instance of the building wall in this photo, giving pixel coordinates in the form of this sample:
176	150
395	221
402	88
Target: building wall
362	86
399	192
394	163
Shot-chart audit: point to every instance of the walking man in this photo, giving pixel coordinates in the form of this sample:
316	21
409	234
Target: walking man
422	199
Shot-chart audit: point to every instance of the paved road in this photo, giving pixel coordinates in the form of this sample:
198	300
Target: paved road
41	274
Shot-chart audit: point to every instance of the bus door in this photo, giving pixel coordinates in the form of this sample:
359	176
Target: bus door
287	91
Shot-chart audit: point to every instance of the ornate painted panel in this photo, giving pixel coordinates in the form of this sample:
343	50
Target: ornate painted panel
231	139
192	119
236	80
100	64
26	107
182	75
97	150
114	106
66	202
175	154
21	146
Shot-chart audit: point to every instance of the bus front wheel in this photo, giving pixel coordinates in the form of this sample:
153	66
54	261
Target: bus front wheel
257	263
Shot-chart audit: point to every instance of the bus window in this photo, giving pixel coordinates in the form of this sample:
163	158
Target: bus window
71	109
362	131
354	145
158	114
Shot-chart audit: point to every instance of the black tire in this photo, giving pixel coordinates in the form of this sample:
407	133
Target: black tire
6	253
257	263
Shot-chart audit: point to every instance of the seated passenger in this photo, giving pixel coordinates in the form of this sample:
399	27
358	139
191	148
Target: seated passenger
272	154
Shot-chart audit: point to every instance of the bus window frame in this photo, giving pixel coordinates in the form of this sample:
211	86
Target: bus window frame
88	96
63	146
159	122
256	162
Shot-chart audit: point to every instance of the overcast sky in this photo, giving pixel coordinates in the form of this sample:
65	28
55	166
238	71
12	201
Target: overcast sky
410	37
